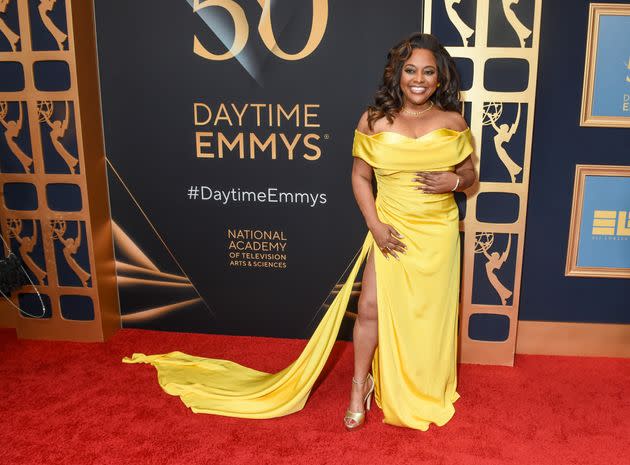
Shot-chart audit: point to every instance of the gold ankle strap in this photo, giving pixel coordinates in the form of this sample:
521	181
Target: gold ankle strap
359	382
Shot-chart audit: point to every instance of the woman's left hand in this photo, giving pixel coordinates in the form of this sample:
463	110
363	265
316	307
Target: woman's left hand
436	182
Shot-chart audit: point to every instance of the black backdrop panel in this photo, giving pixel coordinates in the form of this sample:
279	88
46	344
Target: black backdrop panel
151	80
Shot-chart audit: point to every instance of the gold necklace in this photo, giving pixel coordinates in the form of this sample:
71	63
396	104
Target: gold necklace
417	113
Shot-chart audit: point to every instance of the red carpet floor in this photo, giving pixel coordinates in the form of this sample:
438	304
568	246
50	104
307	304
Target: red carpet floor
71	403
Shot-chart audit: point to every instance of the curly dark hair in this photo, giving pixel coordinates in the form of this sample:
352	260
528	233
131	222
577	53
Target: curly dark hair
388	99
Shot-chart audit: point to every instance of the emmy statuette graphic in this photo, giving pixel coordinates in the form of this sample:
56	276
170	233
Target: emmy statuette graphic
464	30
11	36
57	131
44	7
504	132
483	242
11	132
27	244
70	247
521	31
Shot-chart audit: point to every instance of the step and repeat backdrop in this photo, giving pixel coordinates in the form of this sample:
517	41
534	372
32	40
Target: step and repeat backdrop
228	129
228	132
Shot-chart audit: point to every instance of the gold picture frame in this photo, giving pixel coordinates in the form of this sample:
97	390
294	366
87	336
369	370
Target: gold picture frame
603	225
596	11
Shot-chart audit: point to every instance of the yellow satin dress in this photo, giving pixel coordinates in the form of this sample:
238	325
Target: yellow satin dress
415	364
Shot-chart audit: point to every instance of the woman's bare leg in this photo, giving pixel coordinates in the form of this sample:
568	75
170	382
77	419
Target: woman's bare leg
365	334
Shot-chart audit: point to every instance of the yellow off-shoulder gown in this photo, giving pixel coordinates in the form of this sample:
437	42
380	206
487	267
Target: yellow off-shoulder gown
415	364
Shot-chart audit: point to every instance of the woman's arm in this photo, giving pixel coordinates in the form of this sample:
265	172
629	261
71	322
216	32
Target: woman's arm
385	236
466	172
441	182
362	187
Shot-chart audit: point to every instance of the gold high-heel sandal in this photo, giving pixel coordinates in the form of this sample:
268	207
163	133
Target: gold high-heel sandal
359	417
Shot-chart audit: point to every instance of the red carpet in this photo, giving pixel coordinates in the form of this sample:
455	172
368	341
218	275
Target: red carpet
71	403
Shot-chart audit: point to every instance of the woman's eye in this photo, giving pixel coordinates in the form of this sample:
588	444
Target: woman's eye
409	70
429	72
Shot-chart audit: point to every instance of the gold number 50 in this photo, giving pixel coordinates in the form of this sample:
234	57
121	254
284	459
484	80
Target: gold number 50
241	30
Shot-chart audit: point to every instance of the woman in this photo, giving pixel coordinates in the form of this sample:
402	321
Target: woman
413	138
415	124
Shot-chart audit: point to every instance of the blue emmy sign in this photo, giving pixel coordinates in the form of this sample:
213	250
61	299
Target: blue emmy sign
611	96
606	95
599	242
605	228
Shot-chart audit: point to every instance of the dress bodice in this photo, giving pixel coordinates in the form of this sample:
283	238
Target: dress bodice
396	158
440	149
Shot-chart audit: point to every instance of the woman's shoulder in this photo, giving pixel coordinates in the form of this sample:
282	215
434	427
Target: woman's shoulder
453	120
363	125
378	125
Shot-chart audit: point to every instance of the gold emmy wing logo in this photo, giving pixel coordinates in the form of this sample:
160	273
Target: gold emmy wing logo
265	30
611	223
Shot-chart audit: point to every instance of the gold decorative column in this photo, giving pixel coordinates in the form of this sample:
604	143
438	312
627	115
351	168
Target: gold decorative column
488	245
54	209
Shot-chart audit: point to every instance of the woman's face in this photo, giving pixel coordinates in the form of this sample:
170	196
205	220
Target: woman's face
419	77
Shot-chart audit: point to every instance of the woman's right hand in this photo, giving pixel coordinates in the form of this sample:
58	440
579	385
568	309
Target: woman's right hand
386	238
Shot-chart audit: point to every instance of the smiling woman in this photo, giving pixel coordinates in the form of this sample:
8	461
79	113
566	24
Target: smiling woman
420	73
417	146
413	138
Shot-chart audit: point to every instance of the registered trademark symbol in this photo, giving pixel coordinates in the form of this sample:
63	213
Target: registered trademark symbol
326	136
